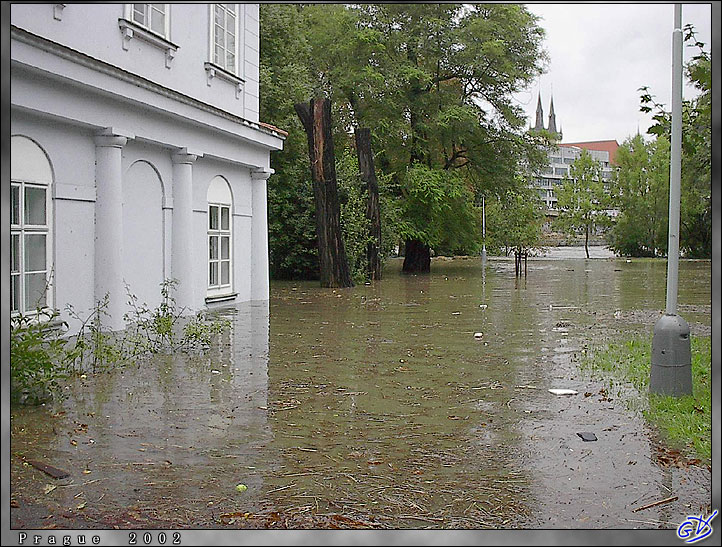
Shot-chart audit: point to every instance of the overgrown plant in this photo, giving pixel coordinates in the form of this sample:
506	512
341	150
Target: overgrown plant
152	331
166	329
37	356
199	331
93	345
41	355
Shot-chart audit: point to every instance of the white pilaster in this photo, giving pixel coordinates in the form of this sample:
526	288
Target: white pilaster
259	235
109	223
182	242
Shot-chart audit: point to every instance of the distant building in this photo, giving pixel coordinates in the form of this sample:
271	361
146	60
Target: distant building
137	155
563	155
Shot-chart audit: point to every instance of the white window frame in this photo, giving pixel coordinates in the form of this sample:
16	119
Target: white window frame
21	230
215	70
129	14
130	28
219	234
237	69
219	195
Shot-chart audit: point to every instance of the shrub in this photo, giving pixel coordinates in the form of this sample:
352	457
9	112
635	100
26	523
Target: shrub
37	356
41	356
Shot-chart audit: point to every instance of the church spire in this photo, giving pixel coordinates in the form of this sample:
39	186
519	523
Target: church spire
539	115
552	117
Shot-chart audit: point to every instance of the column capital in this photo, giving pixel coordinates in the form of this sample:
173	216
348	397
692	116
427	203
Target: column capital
183	155
261	173
112	137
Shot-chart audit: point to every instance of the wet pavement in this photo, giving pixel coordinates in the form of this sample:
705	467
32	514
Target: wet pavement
415	402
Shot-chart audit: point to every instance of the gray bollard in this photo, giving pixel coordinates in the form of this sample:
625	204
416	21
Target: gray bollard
671	372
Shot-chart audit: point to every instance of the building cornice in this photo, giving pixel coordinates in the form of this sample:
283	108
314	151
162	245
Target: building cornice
92	63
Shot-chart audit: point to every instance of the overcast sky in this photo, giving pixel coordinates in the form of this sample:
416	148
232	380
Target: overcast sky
600	55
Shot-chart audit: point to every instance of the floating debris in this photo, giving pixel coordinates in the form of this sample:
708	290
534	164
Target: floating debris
555	391
587	437
656	503
49	469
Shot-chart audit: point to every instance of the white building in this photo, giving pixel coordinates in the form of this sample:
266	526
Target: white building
562	156
137	155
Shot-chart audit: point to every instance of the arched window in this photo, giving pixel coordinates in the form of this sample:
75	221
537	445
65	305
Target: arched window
220	262
30	227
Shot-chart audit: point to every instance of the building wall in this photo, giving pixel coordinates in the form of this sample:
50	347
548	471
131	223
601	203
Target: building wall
73	206
93	29
71	83
147	187
560	159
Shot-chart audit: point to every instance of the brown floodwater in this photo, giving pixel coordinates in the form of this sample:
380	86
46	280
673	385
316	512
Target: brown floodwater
414	402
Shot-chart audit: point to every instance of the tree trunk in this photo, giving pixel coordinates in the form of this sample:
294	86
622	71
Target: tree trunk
373	213
417	257
316	119
586	240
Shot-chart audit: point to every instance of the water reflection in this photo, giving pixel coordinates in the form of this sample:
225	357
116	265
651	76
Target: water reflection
166	440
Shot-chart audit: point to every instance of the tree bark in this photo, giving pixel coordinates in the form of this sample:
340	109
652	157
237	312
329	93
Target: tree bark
373	213
586	240
333	265
417	257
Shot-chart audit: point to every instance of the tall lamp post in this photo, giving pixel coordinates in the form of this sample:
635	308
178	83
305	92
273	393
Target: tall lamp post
483	229
671	372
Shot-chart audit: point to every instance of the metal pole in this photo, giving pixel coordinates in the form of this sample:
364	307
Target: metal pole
483	229
675	170
671	372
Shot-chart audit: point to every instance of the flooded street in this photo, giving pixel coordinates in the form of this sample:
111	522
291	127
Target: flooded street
378	406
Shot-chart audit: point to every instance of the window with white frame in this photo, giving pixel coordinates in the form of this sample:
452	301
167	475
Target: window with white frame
30	227
225	36
220	268
154	17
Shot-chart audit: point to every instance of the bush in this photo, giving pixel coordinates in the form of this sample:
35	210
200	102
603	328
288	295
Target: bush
41	356
37	356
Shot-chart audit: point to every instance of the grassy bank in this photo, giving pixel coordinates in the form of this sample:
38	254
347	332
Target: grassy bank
684	421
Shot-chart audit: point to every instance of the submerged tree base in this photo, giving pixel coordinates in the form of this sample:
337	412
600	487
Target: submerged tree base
417	257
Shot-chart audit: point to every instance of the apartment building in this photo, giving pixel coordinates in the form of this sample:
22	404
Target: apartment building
562	156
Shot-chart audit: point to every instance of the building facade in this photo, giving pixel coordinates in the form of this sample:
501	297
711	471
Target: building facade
562	156
137	155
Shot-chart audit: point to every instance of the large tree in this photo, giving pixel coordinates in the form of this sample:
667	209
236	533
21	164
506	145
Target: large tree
449	71
641	194
433	83
582	199
316	119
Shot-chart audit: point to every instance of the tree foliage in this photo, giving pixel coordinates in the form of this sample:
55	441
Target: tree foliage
582	199
641	194
433	83
514	221
285	80
695	238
